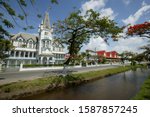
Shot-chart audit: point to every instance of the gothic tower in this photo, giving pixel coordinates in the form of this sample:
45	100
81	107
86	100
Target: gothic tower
45	41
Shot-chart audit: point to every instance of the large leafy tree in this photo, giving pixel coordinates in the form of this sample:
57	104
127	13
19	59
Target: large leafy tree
77	29
142	30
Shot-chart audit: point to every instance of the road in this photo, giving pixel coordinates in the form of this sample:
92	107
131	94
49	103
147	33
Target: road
9	77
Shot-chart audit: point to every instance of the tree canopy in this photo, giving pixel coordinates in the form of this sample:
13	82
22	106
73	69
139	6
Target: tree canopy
142	30
7	9
5	46
77	29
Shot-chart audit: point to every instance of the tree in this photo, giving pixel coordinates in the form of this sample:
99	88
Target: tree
139	58
126	55
77	29
142	30
146	52
5	46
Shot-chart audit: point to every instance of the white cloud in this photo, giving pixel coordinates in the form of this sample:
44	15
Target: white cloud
97	43
144	3
93	4
108	12
130	44
127	2
99	6
132	19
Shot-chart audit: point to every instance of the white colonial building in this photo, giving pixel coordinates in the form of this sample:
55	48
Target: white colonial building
40	49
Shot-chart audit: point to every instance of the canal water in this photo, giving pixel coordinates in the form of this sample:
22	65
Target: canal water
122	86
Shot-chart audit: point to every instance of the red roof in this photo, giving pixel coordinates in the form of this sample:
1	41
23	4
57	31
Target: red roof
111	54
101	53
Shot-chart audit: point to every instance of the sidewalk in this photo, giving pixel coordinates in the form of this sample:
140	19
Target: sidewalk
9	77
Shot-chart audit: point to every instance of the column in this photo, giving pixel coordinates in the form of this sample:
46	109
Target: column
41	59
19	53
53	60
47	61
8	62
28	54
24	53
32	54
14	53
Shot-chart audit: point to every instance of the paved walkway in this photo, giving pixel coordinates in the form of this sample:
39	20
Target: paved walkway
15	76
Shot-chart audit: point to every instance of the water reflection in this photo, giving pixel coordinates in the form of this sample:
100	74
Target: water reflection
121	86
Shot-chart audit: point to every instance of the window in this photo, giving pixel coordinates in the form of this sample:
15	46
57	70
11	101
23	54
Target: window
43	43
22	54
12	53
50	58
46	33
30	44
17	53
20	42
30	54
34	54
47	44
26	54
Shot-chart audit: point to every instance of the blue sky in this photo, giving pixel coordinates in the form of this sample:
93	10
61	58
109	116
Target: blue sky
122	11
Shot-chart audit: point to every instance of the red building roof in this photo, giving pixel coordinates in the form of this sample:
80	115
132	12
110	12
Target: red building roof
101	53
111	54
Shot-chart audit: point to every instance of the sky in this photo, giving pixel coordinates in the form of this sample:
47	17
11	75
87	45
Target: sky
123	12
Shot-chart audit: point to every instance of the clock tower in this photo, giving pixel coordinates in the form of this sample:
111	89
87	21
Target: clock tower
45	40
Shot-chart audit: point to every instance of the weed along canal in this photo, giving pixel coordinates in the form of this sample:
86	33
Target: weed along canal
120	86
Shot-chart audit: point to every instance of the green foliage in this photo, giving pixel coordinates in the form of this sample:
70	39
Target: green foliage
12	21
146	53
39	15
7	23
8	8
30	27
77	29
5	46
23	3
144	93
21	17
54	1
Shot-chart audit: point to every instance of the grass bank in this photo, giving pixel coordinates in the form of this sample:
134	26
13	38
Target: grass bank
25	88
144	93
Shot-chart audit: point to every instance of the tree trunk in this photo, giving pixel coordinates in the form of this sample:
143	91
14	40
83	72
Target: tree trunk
64	71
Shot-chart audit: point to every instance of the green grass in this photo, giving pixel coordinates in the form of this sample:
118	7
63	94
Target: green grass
144	93
22	87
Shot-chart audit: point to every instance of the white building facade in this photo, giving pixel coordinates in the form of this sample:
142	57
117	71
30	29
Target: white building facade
32	49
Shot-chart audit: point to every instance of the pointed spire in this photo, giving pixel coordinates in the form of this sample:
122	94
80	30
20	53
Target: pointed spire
46	21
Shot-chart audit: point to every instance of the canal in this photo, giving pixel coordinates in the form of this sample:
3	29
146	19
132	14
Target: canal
122	86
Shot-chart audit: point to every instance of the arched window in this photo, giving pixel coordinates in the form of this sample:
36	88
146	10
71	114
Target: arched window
43	43
30	44
20	42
